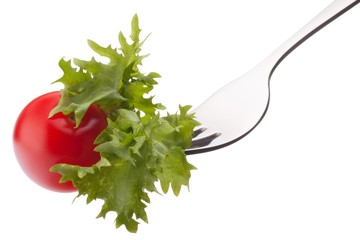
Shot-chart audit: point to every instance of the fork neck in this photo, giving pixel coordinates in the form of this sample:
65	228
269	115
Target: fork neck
333	11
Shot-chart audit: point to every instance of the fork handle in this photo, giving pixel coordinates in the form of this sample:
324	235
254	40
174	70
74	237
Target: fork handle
334	10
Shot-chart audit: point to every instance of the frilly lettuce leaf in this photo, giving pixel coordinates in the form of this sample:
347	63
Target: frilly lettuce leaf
118	84
138	147
134	155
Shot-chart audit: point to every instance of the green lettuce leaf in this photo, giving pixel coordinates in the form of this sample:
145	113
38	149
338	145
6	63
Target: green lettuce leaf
139	147
116	84
134	155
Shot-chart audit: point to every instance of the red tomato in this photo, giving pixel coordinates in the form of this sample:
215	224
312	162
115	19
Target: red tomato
40	142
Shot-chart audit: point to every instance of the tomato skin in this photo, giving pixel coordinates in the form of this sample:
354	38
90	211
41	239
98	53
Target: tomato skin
41	142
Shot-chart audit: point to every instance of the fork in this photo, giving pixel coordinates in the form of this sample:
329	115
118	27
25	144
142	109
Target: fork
241	104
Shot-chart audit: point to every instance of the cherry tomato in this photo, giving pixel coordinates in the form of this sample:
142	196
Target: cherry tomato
41	142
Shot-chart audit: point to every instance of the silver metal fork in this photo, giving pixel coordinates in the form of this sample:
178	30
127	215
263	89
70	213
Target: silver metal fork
241	104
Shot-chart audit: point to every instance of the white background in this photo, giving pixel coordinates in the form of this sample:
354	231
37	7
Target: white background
296	176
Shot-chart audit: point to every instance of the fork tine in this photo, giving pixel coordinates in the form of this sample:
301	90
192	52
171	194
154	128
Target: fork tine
197	132
202	142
